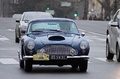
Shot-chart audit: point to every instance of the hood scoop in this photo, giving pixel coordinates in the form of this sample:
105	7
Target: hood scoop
56	38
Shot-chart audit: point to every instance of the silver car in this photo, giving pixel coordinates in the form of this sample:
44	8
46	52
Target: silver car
23	22
113	37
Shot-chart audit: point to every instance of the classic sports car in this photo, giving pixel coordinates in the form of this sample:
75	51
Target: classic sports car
53	41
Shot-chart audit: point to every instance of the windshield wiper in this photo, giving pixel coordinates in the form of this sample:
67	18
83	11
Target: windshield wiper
56	30
37	31
63	31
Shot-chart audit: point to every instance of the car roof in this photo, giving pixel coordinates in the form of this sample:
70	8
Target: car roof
35	14
30	12
52	19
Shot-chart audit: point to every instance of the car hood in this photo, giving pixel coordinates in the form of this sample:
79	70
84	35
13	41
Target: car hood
56	38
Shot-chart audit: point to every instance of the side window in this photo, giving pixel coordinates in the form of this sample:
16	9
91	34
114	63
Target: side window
117	16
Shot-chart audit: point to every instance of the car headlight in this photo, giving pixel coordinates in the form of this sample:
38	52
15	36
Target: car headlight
83	45
31	45
73	52
23	28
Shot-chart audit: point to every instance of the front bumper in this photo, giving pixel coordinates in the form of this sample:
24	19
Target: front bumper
68	57
71	60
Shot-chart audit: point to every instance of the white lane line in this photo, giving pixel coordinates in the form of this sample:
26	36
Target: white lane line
8	61
89	40
92	38
9	49
102	39
9	56
3	38
101	59
10	30
92	32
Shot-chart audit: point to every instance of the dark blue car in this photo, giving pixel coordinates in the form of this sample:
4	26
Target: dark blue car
54	41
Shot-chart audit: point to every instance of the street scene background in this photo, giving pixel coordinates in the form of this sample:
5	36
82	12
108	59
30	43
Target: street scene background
74	9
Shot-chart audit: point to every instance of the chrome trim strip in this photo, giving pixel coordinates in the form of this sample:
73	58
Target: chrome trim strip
87	57
27	57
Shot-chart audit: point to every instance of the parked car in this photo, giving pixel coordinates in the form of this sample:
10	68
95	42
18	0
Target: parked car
23	22
53	41
113	37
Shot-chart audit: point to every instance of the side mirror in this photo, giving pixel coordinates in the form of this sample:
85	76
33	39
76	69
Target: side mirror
82	34
17	20
114	24
23	32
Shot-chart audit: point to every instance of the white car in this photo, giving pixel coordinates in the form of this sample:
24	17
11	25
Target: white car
25	18
113	37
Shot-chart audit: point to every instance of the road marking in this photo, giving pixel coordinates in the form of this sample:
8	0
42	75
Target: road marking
102	39
10	30
101	59
9	49
8	61
92	33
89	40
3	38
16	56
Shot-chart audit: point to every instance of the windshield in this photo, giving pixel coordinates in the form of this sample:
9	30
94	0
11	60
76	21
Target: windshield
68	27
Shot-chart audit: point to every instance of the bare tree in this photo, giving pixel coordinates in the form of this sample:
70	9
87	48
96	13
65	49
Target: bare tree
108	6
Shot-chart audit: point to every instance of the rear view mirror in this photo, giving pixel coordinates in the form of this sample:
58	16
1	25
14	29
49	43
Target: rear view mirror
17	20
114	24
23	32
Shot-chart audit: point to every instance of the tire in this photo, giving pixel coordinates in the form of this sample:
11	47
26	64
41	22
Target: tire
109	55
21	63
117	53
27	65
16	38
74	67
83	66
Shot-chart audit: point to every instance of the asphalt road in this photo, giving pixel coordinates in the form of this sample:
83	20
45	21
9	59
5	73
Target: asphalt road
99	67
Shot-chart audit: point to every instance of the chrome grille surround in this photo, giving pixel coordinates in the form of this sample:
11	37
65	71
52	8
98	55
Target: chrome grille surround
58	49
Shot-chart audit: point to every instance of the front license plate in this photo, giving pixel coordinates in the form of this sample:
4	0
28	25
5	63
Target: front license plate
41	56
58	57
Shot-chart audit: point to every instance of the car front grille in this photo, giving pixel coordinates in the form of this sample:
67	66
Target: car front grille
57	49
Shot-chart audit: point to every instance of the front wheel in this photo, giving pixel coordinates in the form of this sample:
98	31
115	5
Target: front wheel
109	55
21	63
27	65
16	38
83	65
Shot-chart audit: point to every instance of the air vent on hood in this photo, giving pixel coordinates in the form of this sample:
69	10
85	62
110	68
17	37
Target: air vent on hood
56	38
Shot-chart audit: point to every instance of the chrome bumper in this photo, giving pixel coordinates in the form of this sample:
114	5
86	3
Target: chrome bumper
68	57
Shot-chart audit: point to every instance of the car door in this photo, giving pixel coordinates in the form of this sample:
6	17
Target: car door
114	34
